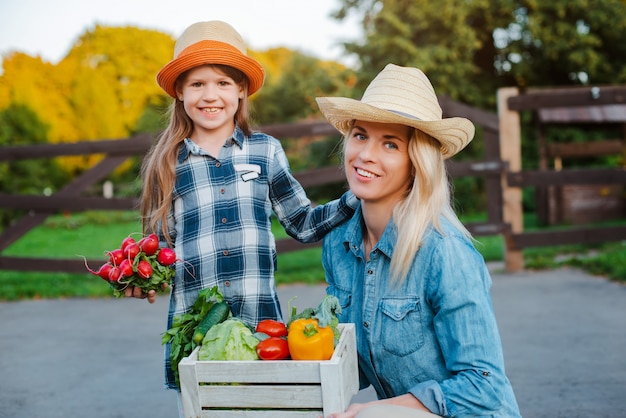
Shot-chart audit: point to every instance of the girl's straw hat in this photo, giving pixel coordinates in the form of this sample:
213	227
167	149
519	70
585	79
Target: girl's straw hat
401	95
212	42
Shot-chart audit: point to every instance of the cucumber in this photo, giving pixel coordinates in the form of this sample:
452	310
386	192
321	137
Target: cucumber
218	313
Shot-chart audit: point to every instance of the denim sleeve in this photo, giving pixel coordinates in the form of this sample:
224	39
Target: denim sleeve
294	209
466	329
430	394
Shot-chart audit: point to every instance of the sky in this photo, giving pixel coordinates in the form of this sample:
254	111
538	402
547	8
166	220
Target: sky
49	28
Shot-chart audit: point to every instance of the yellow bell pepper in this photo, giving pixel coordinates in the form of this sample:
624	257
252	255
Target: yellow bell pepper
308	341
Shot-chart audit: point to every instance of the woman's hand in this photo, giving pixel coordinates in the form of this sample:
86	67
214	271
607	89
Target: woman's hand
407	401
352	410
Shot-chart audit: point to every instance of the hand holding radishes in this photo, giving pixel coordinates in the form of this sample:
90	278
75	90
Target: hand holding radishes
138	268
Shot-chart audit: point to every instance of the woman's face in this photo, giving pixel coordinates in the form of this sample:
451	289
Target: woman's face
377	163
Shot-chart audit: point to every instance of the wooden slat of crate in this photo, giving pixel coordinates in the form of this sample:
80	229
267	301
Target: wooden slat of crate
245	396
256	371
274	413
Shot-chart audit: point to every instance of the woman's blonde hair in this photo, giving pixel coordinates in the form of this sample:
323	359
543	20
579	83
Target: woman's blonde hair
159	167
428	200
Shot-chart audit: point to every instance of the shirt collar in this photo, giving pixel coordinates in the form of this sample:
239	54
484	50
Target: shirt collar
353	237
190	147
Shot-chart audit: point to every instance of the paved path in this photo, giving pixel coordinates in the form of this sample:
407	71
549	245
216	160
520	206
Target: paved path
563	331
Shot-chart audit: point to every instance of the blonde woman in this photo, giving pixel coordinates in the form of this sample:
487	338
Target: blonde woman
404	268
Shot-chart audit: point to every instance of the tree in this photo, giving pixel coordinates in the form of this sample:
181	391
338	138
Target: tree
564	42
291	87
449	40
471	48
19	125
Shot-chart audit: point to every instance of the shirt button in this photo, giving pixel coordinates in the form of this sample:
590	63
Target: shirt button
370	271
218	164
227	283
225	252
224	220
366	324
222	191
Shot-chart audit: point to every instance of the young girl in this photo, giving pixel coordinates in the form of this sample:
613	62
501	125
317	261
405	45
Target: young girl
404	268
211	184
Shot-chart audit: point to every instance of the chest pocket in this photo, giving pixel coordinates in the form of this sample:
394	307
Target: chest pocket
402	331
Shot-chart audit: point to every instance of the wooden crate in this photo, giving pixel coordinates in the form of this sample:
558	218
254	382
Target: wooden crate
264	389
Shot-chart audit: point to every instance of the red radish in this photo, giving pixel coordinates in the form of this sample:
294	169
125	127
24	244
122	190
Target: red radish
131	251
126	268
144	269
149	245
166	256
115	274
116	256
127	241
104	270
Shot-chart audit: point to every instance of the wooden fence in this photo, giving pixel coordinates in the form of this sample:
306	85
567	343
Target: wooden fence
574	101
500	166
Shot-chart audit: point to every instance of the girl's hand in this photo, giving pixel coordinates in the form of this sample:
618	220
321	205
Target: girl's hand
136	292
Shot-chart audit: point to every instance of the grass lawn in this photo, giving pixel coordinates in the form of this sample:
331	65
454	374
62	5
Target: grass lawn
89	234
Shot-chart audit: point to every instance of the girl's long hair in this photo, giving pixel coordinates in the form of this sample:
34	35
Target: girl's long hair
159	167
428	200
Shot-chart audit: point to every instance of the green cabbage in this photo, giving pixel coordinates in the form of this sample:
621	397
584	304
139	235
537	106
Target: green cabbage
229	340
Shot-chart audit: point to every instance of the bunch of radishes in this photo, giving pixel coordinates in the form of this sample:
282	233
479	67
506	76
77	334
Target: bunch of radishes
138	264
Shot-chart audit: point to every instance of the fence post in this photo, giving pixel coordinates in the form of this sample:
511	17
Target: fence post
511	153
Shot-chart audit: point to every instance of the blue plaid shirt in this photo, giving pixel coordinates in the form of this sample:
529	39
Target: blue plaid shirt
221	224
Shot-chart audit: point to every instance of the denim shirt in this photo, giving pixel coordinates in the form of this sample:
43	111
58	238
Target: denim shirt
434	335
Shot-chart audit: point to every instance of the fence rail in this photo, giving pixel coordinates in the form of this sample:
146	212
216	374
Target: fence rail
500	166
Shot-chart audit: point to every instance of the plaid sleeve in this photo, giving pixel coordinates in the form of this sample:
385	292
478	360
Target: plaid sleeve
294	210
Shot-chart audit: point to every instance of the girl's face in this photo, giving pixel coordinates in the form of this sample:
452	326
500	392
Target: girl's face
377	163
210	99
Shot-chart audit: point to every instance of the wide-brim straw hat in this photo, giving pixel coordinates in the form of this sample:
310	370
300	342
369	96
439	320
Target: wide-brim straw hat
405	96
212	42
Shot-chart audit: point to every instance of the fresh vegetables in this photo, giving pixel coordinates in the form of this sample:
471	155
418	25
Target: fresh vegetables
183	328
138	264
273	348
273	340
229	340
218	313
313	333
272	328
309	341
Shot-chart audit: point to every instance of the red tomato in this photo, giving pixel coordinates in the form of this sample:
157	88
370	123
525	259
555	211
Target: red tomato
273	348
272	328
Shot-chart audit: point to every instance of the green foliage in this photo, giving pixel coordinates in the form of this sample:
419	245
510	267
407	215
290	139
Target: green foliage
564	42
289	95
19	125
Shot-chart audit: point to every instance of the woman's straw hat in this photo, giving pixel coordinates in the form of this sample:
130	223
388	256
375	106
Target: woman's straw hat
405	96
212	42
